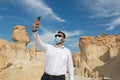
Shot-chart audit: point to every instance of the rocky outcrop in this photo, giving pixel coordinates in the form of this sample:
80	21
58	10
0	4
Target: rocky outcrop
3	61
7	48
22	70
76	62
98	51
33	53
76	59
21	39
112	67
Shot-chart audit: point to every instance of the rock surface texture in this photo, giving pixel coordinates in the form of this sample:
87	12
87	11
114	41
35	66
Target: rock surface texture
101	52
7	48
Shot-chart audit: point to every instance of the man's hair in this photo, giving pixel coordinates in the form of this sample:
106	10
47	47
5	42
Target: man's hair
62	33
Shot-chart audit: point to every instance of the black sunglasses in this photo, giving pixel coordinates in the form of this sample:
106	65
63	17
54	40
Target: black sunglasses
58	35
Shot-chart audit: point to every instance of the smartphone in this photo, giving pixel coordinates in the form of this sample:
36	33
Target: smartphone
38	18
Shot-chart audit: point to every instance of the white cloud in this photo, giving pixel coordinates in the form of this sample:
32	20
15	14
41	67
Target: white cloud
106	9
73	45
73	33
71	39
47	36
114	24
39	7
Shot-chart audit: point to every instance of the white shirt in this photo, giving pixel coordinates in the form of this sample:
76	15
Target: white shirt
57	60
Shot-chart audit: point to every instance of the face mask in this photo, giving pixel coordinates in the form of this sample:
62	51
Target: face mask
57	39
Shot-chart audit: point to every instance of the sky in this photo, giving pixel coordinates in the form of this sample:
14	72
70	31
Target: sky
75	18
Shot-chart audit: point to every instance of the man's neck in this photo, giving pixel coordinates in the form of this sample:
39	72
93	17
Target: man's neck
60	45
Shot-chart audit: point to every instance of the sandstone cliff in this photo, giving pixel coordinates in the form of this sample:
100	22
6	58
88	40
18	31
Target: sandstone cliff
3	61
101	52
7	48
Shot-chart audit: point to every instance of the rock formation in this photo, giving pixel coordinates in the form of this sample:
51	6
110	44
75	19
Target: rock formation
20	68
41	56
76	60
21	38
3	61
96	52
7	48
76	63
33	53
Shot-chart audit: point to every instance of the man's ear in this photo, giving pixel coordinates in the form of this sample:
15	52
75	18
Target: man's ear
63	39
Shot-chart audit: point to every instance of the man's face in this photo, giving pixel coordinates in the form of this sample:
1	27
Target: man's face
61	36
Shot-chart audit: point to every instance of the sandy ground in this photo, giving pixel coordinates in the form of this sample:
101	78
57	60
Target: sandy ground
79	78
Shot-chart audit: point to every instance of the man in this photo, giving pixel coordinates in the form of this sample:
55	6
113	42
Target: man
57	58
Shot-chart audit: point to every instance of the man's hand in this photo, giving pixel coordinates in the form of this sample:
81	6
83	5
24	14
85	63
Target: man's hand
35	25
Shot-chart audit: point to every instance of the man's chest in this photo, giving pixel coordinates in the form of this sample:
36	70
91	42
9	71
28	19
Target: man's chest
57	53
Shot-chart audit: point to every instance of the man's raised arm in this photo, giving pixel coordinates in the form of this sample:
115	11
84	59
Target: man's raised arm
36	37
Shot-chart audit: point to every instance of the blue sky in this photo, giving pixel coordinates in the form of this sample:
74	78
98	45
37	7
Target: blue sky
74	17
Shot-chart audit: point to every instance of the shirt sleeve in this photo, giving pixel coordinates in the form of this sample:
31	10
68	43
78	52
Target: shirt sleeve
38	42
70	67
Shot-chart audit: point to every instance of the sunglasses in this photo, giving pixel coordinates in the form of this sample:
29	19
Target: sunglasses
58	35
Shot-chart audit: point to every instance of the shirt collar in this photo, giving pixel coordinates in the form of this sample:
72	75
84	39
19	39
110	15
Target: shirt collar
61	47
